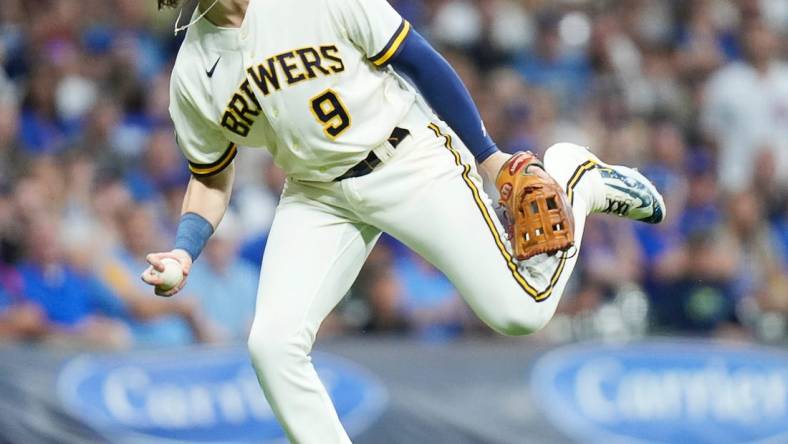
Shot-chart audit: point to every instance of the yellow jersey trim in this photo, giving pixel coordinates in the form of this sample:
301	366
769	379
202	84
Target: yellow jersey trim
209	170
392	46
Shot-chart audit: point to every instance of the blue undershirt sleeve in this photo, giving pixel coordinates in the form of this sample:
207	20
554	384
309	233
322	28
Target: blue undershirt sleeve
440	85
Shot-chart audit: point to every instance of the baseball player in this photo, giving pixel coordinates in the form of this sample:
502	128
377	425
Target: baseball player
376	133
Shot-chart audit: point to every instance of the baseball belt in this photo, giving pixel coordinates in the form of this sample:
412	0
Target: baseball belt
371	162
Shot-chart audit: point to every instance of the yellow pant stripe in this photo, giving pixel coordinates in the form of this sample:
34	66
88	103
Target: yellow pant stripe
570	192
526	286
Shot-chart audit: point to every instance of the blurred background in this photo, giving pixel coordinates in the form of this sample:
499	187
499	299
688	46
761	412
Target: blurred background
692	92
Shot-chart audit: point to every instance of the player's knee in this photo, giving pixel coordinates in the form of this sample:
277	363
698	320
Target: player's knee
261	347
557	152
269	348
518	328
522	324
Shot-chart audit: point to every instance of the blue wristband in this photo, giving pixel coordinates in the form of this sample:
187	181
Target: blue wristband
193	233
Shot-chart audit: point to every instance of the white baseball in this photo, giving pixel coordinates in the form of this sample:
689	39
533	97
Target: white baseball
172	274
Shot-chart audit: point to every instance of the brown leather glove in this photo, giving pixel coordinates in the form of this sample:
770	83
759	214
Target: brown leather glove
537	214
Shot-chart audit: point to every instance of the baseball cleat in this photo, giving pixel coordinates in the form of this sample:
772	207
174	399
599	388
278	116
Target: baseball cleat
617	190
629	194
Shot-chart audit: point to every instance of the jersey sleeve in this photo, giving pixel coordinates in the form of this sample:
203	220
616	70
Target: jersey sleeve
204	146
373	26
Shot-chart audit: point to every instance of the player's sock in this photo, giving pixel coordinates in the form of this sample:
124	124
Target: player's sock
573	166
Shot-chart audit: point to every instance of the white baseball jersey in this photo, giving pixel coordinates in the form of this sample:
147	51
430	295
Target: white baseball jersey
305	79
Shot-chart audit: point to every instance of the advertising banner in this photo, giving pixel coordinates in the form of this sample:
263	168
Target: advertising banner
199	395
665	392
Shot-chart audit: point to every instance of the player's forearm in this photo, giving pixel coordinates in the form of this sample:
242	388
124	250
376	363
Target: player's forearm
209	196
204	206
444	91
492	165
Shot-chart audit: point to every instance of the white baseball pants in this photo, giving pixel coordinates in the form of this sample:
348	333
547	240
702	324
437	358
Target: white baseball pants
428	195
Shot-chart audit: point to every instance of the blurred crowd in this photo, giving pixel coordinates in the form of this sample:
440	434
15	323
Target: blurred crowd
692	92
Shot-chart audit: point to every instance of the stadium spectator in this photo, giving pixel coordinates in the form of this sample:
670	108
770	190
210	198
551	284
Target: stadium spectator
19	318
155	321
257	197
750	238
9	125
555	67
41	129
20	321
77	306
430	304
745	108
701	298
612	253
703	205
160	168
766	186
376	304
224	284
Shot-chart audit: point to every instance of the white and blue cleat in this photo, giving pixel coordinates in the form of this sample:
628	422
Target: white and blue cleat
629	194
616	190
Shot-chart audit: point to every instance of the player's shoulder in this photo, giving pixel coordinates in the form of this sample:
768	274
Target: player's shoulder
185	79
190	93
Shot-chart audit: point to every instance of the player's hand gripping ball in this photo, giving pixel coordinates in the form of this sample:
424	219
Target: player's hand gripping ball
172	275
167	271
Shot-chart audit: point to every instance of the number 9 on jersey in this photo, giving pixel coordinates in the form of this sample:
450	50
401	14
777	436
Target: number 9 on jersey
329	110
